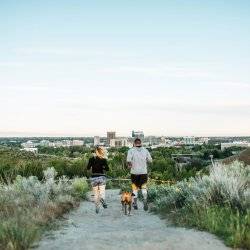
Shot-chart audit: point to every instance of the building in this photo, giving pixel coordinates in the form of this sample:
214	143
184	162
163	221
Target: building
33	150
189	140
243	144
97	140
110	136
138	134
44	143
77	143
163	140
28	144
58	144
51	144
153	140
203	140
118	143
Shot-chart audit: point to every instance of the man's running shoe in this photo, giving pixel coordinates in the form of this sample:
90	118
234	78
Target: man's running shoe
104	204
97	209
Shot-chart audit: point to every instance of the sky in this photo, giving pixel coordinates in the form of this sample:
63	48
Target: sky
81	68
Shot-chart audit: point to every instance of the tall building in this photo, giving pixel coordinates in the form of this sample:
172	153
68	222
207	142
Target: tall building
110	136
97	140
77	143
28	144
44	143
163	140
117	143
33	150
138	134
189	140
67	143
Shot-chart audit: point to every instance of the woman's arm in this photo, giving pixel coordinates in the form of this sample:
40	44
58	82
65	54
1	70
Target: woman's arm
106	167
90	163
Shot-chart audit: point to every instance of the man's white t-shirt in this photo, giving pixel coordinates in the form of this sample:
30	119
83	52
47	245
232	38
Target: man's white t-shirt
139	157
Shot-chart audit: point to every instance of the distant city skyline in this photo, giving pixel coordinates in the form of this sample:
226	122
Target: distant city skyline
82	68
119	135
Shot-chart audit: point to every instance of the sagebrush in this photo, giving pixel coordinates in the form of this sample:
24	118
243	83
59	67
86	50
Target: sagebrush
28	205
218	202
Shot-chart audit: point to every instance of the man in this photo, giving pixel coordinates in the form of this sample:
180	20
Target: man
137	160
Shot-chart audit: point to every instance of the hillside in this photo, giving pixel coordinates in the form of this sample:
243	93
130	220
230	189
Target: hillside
244	156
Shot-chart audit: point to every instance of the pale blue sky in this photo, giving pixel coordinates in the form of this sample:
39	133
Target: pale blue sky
173	67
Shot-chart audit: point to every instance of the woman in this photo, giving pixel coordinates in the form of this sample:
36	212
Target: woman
98	165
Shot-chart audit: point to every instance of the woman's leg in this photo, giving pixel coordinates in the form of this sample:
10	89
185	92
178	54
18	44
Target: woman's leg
102	195
102	191
96	197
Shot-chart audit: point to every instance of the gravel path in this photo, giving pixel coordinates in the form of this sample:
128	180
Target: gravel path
111	229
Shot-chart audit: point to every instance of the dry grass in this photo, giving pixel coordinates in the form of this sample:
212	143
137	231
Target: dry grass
28	206
219	202
244	157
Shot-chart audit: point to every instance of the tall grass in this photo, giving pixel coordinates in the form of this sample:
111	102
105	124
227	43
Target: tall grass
218	202
28	205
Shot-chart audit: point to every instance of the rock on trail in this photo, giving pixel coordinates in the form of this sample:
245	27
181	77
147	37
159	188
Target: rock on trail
111	229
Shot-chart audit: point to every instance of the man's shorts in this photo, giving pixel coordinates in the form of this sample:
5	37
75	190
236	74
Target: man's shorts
139	181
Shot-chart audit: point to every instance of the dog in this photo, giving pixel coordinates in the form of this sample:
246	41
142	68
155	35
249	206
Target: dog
126	200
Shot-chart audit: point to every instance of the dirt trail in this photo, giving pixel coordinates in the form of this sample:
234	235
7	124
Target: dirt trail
112	230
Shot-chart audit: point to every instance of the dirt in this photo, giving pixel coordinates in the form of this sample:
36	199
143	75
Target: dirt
111	229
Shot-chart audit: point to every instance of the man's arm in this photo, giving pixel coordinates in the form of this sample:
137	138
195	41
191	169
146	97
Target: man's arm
149	157
129	159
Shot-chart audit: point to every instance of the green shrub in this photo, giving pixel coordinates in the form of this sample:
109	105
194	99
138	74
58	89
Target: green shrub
28	205
218	202
80	187
230	225
18	233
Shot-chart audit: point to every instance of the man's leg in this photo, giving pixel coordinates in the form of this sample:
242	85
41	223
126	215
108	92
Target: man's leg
134	195
145	196
143	181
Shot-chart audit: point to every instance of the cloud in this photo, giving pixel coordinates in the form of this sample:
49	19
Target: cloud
59	51
171	70
238	85
153	105
11	64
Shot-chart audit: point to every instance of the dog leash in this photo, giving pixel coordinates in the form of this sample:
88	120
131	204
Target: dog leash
149	179
109	178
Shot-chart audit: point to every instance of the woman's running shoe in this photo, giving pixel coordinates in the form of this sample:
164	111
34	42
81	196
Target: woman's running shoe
104	204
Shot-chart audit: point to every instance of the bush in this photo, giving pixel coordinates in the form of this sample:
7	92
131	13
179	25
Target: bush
14	162
80	186
232	226
28	205
218	202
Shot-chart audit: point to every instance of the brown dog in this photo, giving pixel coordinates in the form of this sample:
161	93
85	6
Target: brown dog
126	200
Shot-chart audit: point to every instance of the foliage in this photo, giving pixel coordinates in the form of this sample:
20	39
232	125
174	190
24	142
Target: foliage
71	152
28	205
230	225
14	162
218	202
72	162
80	187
